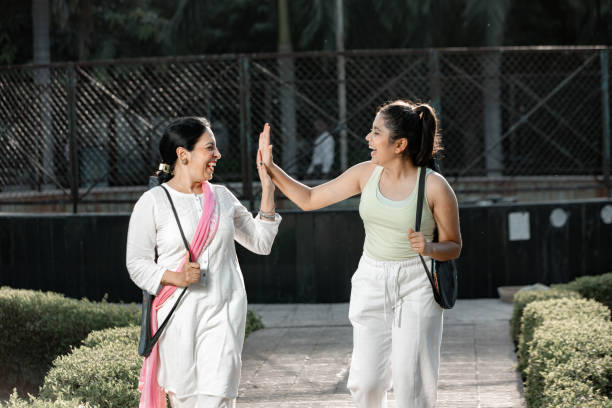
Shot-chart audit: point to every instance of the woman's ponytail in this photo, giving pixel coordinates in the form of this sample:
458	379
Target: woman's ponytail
429	131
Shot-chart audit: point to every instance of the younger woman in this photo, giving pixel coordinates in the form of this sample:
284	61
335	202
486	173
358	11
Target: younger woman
397	325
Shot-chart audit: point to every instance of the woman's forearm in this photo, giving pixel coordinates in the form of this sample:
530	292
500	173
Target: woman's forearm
294	190
173	278
443	251
267	200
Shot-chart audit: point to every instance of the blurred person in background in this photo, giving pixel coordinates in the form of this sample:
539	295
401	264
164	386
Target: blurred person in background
322	152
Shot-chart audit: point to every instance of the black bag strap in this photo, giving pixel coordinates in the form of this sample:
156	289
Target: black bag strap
163	325
178	222
417	222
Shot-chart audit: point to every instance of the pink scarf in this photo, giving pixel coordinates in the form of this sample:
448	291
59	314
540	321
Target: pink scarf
152	395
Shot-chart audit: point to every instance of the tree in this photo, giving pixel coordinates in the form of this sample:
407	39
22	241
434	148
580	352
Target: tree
491	15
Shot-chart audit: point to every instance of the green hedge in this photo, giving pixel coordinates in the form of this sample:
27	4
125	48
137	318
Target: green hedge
570	364
597	287
536	313
38	326
104	371
16	402
523	297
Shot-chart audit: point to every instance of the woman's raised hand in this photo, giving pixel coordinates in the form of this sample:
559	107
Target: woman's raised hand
265	147
264	177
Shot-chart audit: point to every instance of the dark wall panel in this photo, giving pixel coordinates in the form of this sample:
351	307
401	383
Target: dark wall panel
314	255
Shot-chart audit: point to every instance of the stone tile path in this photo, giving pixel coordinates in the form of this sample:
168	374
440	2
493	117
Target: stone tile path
302	357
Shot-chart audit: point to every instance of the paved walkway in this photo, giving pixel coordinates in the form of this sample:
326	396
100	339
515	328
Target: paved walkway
302	357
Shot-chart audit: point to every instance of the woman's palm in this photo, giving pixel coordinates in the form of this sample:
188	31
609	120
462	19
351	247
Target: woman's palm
265	147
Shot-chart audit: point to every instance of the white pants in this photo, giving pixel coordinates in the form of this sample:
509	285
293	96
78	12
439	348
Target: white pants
397	332
201	401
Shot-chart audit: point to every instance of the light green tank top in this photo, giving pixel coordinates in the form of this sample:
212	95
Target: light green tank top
386	222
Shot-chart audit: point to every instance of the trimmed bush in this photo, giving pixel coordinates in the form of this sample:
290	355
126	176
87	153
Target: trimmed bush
16	402
38	326
569	364
104	371
571	384
536	313
523	297
253	323
597	287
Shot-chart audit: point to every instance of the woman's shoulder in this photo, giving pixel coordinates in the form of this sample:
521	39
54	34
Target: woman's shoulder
220	189
364	170
147	202
437	184
222	193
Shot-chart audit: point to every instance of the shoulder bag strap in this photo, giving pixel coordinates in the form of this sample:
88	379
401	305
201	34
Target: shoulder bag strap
419	213
163	325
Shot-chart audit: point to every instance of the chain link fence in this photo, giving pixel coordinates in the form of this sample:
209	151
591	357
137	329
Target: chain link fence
504	113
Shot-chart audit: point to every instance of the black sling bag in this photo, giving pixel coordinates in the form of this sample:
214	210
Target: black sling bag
443	275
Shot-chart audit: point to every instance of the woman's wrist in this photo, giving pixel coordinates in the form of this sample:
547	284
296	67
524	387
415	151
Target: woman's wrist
267	215
429	249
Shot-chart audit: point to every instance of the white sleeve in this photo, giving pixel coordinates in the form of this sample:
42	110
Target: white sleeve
140	249
253	233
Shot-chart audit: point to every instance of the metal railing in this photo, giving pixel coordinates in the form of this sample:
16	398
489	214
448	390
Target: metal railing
504	113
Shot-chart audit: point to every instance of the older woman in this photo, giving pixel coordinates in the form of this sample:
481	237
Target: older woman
198	357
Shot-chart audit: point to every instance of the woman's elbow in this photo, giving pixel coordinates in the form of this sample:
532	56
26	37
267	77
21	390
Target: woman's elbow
457	252
263	250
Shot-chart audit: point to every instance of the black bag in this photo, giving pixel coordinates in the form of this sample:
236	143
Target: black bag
147	341
443	275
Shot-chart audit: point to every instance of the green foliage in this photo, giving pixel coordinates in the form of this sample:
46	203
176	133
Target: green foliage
39	326
104	371
523	297
597	287
570	364
253	322
571	384
16	402
536	313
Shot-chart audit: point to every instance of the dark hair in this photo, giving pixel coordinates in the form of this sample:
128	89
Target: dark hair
181	132
418	124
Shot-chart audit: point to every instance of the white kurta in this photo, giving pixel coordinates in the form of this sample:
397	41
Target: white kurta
200	349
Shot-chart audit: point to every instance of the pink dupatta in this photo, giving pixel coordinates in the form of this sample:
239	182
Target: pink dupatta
152	395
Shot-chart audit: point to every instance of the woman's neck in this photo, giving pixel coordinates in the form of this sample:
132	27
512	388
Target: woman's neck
400	169
181	182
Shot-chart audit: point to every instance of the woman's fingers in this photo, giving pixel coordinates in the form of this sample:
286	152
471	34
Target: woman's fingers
266	133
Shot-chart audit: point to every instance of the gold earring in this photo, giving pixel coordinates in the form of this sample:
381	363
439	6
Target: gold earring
184	161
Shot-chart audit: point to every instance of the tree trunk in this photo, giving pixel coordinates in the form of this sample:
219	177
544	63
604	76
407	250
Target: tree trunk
341	76
286	73
494	155
40	24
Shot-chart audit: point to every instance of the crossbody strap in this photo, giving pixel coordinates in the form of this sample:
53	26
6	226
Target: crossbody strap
163	325
417	222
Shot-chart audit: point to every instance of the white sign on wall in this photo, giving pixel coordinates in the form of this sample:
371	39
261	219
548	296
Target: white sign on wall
518	226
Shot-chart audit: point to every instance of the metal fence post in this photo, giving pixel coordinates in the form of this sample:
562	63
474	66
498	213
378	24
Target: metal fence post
435	88
245	131
605	106
74	179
